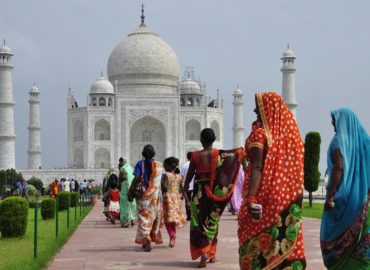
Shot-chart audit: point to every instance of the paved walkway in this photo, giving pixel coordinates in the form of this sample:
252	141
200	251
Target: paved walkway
97	244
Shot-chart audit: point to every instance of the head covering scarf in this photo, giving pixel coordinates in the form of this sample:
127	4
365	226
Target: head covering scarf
354	144
129	171
282	175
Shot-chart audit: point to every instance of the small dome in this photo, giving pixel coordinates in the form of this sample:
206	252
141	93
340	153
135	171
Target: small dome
102	86
288	53
189	85
238	91
5	49
34	89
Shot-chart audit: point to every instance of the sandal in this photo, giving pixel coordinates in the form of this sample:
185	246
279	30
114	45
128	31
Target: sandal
172	242
147	247
212	260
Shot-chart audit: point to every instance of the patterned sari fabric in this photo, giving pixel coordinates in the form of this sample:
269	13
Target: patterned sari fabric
345	230
127	209
210	198
172	211
275	241
149	209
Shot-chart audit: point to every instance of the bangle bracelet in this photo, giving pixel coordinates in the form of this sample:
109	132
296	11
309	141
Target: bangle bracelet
251	199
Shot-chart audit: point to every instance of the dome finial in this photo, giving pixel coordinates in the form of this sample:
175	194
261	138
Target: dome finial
4	42
142	15
288	46
101	74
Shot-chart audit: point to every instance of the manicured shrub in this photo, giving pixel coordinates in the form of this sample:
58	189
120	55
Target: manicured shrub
75	196
31	190
48	208
64	200
36	182
311	163
13	217
95	191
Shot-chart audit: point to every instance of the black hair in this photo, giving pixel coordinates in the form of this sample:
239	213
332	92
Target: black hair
188	155
113	179
120	159
148	153
173	164
208	136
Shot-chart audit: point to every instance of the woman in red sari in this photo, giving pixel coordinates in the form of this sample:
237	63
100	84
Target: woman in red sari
270	229
216	172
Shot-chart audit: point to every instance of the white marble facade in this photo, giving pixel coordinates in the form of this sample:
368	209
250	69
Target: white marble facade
142	102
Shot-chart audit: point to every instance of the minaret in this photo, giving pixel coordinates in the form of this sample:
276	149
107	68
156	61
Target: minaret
238	128
7	135
288	90
34	128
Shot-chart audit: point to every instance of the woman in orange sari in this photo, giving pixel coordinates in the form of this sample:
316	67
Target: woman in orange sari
270	229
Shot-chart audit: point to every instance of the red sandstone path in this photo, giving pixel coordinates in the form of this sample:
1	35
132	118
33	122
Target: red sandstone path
97	244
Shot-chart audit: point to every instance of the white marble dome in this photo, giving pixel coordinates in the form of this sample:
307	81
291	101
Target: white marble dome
102	86
288	53
34	89
189	86
143	54
5	49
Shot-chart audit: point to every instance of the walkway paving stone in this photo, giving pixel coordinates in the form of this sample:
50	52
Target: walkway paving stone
97	244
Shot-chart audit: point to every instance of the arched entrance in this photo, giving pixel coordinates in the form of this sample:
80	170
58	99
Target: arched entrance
147	130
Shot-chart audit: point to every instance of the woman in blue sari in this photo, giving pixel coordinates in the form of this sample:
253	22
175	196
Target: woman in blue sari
345	226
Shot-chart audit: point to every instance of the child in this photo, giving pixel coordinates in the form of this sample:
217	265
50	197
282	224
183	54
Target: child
113	209
171	184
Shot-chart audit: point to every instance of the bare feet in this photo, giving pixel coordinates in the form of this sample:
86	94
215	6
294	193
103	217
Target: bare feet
203	262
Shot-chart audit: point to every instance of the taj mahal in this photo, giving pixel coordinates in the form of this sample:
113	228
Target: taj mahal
141	100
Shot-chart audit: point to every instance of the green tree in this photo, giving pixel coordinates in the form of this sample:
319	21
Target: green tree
311	163
36	182
3	181
13	177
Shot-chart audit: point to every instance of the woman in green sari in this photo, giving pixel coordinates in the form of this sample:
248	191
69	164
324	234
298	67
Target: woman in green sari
127	209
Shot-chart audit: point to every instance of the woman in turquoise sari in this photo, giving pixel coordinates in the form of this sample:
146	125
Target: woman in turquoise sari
345	226
127	209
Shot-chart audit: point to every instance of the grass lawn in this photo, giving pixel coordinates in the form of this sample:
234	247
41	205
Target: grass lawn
17	253
313	212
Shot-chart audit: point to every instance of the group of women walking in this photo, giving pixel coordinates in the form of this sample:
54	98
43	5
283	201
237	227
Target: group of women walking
270	197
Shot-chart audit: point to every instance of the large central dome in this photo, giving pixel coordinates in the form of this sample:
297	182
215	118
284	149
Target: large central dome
141	57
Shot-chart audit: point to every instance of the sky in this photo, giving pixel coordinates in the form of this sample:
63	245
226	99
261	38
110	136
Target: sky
228	42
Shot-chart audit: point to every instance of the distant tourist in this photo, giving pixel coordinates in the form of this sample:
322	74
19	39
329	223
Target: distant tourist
127	208
270	228
146	189
67	185
25	188
345	225
212	192
18	188
113	208
73	185
183	172
171	185
54	188
107	183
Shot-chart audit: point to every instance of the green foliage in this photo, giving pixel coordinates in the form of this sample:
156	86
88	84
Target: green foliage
31	190
311	162
31	202
13	177
64	200
95	191
36	182
3	181
75	196
48	208
13	217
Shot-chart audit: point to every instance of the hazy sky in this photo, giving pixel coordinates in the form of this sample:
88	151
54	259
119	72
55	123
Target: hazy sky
228	42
